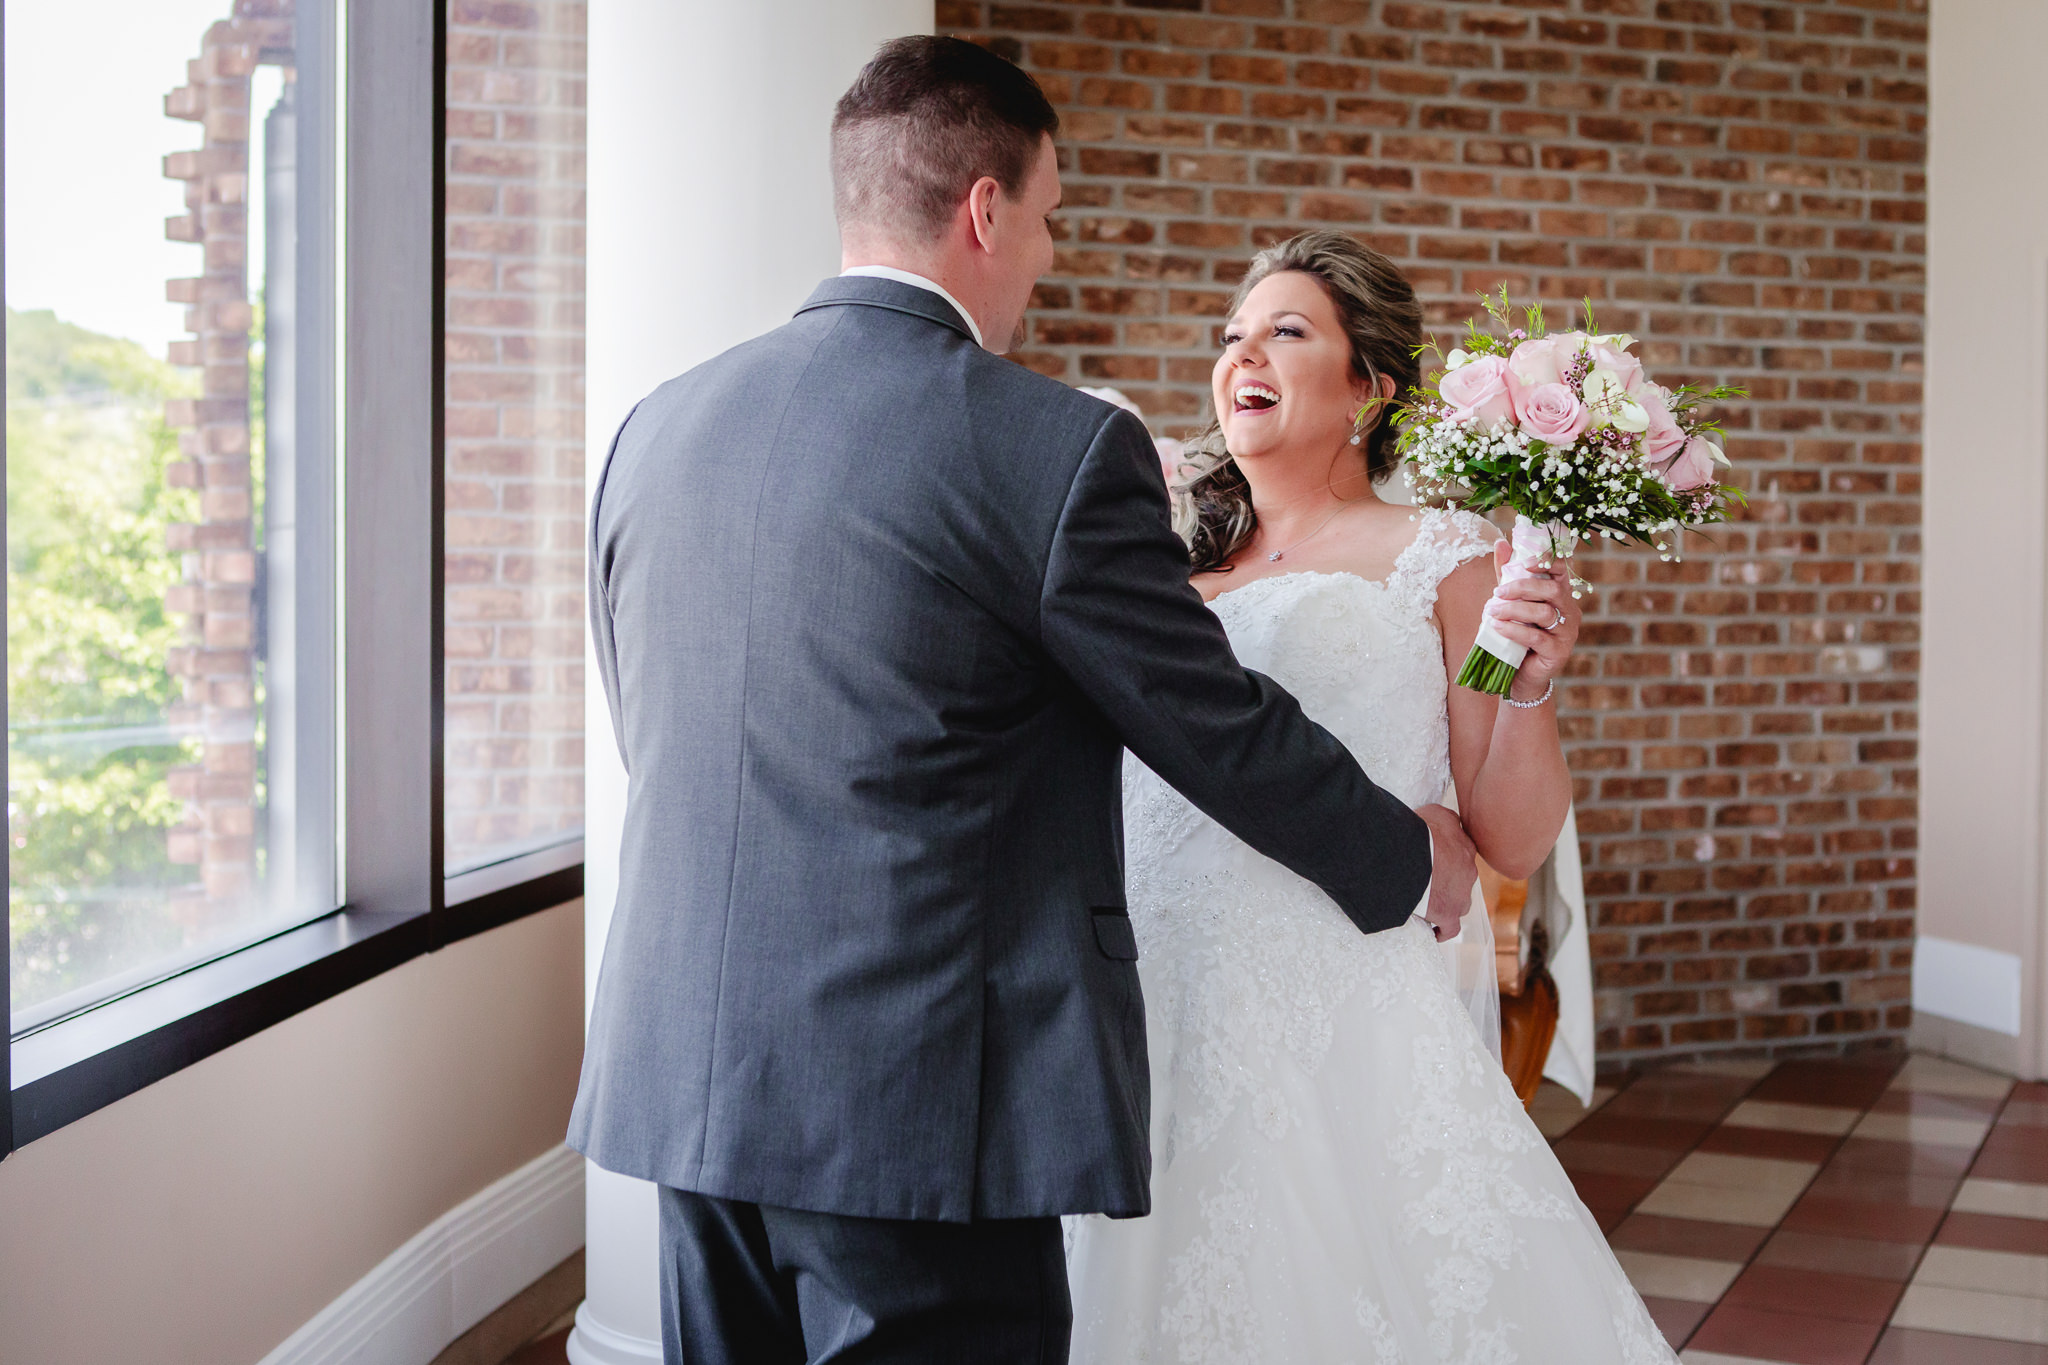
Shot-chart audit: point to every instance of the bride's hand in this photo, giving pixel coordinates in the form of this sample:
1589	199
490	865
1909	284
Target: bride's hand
1540	613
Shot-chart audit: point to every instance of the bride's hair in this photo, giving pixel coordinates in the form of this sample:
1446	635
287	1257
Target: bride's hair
1212	504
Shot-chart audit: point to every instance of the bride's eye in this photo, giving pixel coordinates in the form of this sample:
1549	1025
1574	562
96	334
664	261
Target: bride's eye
1231	338
1286	330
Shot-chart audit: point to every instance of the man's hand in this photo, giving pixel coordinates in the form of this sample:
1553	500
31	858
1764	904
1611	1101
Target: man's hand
1450	885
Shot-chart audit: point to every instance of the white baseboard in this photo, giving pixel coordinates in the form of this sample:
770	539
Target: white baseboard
1961	981
1985	1048
593	1343
452	1274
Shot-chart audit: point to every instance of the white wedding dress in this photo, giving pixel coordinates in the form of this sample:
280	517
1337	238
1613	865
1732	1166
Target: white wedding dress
1341	1173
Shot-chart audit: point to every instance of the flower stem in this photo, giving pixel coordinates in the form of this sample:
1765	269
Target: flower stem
1485	673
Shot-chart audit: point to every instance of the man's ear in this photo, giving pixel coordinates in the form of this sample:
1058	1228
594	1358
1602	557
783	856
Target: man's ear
981	211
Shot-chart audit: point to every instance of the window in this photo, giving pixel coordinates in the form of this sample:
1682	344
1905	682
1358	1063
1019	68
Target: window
173	781
265	511
513	432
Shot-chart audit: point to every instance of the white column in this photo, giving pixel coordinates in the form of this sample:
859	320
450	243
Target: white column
1982	958
710	220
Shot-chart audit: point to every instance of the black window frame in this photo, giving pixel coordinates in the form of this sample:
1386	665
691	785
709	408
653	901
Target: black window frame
392	542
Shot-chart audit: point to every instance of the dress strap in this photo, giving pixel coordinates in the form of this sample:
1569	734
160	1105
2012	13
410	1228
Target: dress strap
1444	539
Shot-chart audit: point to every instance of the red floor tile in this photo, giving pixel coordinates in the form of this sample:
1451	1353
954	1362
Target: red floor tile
1919	1191
1862	1218
1676	1318
1815	1293
1771	1142
1601	1126
1606	1187
1902	1158
1615	1158
1609	1197
1677	1096
1689	1237
1842	1255
1989	1232
1794	1338
1905	1346
2012	1154
552	1349
1850	1083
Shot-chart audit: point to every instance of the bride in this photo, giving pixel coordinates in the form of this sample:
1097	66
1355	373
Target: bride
1341	1172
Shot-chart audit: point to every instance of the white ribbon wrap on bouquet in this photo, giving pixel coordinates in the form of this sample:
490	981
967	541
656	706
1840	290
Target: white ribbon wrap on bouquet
1534	547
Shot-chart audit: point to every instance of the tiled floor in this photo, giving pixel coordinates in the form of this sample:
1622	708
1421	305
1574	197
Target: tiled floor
1866	1211
1878	1209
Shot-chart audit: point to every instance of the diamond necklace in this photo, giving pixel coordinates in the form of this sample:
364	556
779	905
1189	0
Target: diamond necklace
1275	557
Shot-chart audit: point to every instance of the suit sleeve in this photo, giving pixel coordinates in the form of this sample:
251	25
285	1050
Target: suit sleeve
1119	617
598	565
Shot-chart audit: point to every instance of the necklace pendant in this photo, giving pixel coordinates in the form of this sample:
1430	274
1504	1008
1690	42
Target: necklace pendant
1274	558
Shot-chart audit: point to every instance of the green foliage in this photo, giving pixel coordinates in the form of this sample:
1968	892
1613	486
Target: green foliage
87	645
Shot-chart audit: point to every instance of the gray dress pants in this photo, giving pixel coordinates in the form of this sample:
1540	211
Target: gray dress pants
752	1284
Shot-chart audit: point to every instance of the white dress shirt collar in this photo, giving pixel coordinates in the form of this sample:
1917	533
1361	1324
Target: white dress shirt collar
890	272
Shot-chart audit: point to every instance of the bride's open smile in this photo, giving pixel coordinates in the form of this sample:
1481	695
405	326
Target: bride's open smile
1284	382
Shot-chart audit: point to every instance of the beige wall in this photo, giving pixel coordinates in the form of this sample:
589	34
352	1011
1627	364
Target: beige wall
202	1220
1986	512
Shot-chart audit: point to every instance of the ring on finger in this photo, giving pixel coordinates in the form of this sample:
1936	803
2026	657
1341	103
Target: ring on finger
1558	622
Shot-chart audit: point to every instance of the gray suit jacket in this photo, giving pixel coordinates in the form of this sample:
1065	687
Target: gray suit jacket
876	614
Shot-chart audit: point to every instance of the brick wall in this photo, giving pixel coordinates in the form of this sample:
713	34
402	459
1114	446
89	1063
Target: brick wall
514	322
1740	185
215	664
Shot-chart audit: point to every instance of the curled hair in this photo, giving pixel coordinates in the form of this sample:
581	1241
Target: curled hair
921	123
1212	503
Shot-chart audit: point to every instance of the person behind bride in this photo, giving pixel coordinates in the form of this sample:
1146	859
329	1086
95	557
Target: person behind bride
1341	1171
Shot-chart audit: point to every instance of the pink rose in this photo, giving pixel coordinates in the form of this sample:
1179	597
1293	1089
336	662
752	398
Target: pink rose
1544	359
1478	391
1694	467
1551	413
1664	438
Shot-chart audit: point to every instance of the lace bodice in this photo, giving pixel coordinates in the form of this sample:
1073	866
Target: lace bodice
1364	658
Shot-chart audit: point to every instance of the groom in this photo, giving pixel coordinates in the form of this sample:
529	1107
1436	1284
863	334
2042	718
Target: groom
876	614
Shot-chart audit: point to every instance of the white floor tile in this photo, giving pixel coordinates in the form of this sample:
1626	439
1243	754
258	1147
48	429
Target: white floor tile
1717	1187
1931	1128
2007	1198
1678	1277
1973	1313
1792	1118
1713	1204
1993	1272
1728	1170
1940	1076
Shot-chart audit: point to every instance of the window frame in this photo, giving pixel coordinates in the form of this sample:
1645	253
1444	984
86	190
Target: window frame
392	245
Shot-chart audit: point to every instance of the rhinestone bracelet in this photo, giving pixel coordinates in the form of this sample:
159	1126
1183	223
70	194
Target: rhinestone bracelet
1532	705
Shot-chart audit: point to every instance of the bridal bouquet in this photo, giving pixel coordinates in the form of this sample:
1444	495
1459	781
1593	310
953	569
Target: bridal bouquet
1565	429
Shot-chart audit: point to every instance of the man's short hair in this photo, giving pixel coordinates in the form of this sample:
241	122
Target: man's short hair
924	120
